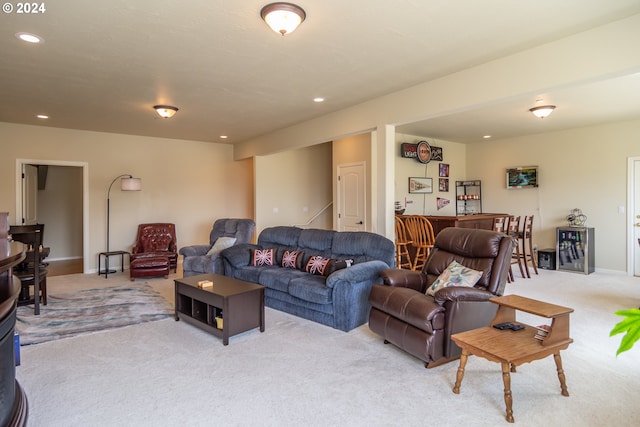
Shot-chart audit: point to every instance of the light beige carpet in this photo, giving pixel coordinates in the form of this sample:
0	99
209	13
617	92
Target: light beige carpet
299	373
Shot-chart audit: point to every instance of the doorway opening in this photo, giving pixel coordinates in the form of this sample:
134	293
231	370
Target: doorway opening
56	208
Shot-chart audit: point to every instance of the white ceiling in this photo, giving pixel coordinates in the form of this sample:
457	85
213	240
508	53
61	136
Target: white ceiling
105	64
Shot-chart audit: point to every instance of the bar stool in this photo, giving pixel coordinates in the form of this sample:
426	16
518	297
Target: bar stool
513	230
421	233
526	242
403	259
500	225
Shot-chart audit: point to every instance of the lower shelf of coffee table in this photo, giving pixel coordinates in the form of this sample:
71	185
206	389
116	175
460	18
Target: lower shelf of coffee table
199	314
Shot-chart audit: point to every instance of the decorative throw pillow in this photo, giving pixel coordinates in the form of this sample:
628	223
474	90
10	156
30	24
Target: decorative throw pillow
317	265
455	274
292	259
262	257
335	265
221	244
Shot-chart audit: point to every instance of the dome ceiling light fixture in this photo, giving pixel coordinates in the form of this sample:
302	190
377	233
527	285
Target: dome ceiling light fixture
165	111
283	18
542	111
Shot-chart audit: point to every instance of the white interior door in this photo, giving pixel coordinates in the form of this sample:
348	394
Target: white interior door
351	197
635	244
29	195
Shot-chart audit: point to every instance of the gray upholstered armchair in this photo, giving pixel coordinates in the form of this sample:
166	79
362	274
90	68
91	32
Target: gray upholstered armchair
202	259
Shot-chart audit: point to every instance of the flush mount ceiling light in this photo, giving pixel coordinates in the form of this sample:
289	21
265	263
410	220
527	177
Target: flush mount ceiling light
542	111
282	17
165	111
30	38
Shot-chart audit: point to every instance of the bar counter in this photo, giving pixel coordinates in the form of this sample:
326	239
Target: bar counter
482	221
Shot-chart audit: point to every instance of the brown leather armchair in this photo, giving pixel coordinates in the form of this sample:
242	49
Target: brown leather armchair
421	324
154	243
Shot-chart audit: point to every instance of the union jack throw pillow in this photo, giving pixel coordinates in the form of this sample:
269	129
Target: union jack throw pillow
292	259
262	257
316	265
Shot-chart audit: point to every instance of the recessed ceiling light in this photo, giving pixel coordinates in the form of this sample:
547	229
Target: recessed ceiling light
31	38
223	136
42	116
487	136
318	99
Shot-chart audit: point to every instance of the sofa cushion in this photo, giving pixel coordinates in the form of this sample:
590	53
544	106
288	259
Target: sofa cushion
455	274
221	244
311	288
292	259
261	257
278	278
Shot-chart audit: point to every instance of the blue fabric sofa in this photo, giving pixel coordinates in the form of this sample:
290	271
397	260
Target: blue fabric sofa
339	299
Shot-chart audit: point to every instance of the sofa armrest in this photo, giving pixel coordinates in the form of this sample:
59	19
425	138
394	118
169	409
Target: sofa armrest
404	278
364	272
461	293
194	250
238	255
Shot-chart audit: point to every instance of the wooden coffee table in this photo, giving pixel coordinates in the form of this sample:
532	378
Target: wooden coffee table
513	348
240	304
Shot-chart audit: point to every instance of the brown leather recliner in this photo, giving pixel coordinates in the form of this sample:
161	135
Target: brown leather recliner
154	242
422	325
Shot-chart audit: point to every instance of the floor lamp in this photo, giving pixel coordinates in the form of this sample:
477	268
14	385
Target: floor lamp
127	183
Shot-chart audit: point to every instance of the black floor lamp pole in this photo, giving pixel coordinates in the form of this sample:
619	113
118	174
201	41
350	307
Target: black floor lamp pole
106	261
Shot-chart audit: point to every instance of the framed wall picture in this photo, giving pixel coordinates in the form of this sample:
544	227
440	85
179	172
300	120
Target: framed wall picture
444	170
443	185
420	185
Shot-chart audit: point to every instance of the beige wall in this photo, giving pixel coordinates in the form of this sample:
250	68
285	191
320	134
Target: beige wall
185	182
583	168
293	186
353	149
60	209
453	154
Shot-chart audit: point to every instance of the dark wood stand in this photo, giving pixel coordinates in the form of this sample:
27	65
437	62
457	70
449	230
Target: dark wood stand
481	221
239	304
13	401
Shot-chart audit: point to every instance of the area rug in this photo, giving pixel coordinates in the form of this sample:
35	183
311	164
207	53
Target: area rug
89	311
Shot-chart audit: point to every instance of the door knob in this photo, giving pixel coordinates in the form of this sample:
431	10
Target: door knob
360	223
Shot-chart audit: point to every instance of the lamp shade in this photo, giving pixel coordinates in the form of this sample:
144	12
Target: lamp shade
283	18
166	111
542	111
131	184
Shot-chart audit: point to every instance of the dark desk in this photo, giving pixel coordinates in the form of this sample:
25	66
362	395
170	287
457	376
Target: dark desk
106	256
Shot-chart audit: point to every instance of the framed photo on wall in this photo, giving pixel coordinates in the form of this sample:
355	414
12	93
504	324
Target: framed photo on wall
443	185
420	185
444	170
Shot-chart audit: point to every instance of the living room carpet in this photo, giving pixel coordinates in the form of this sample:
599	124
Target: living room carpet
300	373
91	310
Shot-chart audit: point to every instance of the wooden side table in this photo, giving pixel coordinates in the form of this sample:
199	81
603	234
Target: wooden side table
512	348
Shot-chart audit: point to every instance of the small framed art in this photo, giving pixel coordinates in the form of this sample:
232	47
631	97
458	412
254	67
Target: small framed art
420	185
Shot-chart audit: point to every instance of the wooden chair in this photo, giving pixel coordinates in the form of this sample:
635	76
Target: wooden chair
421	233
526	244
513	231
31	271
403	259
500	225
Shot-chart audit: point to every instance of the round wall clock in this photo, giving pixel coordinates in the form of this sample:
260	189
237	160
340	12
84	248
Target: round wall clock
424	152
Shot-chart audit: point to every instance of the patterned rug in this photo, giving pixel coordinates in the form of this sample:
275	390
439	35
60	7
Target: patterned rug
91	310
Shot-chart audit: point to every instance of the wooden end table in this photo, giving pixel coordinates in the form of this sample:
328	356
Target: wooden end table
240	304
512	348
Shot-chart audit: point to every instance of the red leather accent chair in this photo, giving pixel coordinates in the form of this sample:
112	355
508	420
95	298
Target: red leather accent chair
421	324
155	252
